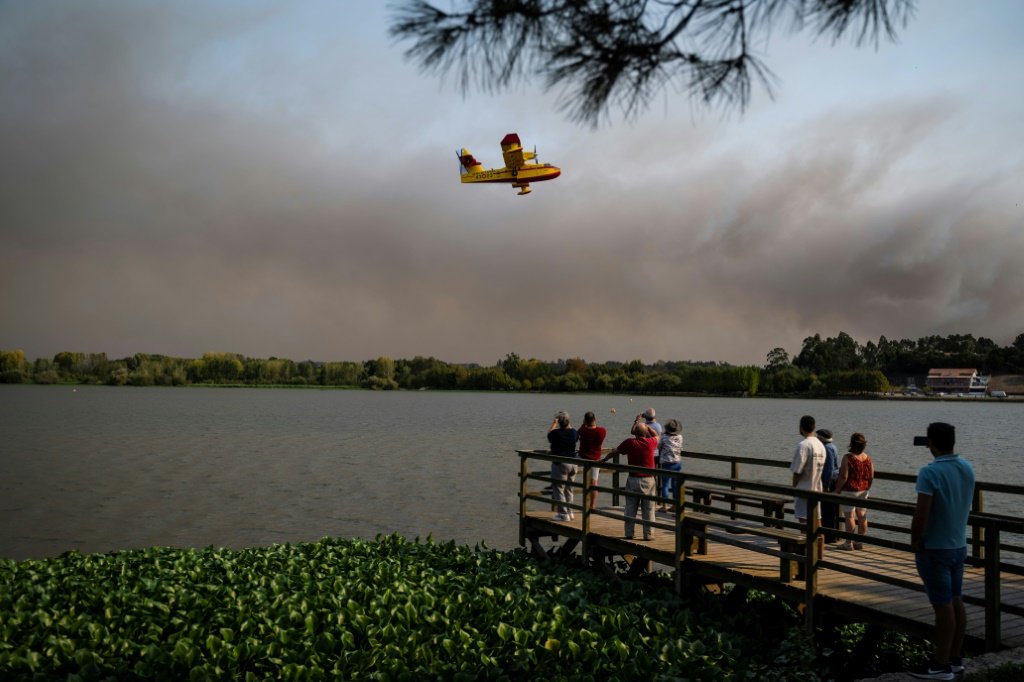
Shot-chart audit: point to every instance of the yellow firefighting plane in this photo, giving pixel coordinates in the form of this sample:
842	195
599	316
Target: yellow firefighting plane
516	172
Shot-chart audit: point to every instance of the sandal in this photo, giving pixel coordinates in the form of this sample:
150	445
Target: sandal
846	546
858	545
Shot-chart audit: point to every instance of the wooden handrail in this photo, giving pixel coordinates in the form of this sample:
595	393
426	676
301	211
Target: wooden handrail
1006	523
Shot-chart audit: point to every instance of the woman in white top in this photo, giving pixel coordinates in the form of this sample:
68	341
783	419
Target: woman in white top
670	449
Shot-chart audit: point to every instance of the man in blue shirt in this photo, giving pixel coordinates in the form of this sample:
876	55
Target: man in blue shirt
938	535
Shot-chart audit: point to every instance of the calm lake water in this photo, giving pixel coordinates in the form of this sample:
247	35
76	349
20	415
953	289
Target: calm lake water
101	468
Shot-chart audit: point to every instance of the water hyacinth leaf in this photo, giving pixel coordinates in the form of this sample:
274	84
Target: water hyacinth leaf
345	609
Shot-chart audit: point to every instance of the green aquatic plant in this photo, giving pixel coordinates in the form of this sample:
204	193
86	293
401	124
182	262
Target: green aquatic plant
352	609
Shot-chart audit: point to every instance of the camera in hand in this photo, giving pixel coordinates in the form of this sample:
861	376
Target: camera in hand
921	441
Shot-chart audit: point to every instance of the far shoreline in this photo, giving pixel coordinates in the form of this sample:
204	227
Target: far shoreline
986	399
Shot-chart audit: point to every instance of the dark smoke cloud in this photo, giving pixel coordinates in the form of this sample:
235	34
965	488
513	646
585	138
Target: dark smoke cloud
156	196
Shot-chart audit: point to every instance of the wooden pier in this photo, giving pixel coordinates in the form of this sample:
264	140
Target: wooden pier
729	531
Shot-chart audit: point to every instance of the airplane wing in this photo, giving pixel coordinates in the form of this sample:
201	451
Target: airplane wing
512	151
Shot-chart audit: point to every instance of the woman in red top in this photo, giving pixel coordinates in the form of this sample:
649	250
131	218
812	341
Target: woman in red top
855	476
591	439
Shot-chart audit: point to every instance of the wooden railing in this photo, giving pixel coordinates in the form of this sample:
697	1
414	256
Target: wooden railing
986	534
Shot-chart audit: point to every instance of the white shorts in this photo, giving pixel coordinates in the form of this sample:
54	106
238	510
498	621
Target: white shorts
851	508
595	472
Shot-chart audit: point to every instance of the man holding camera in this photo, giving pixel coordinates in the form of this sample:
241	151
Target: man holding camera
938	535
639	451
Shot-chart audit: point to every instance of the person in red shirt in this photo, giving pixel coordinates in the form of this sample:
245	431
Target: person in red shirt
591	439
639	451
855	476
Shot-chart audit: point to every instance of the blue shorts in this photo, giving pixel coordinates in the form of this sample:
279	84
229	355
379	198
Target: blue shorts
942	572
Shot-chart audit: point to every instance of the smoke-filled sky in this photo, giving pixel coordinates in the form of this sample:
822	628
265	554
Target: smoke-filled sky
275	179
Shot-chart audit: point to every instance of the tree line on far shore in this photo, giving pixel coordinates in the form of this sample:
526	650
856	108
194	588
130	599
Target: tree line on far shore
832	366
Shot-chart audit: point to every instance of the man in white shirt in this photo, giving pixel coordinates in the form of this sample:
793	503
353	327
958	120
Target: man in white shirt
807	466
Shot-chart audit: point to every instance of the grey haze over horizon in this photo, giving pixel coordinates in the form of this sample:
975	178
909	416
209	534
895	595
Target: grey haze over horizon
275	180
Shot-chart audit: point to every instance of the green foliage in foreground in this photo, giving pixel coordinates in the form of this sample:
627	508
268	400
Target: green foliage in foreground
388	609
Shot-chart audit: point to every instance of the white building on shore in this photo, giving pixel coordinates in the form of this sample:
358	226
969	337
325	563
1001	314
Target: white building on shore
966	381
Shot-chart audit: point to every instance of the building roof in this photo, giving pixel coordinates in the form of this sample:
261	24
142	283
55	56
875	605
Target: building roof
951	373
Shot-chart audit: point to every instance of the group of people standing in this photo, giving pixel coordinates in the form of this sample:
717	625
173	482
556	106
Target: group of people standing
938	532
945	490
650	445
816	466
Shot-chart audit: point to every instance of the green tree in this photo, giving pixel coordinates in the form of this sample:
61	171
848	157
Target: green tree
786	381
776	359
513	366
831	354
68	363
379	383
383	367
855	381
604	53
308	370
221	368
342	373
12	361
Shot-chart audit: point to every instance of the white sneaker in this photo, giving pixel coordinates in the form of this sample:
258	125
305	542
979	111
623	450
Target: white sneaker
559	517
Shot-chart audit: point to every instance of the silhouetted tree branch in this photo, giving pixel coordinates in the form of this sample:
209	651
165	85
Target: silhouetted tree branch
618	53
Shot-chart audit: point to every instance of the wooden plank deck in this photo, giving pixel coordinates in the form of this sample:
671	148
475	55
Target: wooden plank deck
899	607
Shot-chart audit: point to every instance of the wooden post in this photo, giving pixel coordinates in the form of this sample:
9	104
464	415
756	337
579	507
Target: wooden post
585	523
734	474
993	598
615	483
522	499
680	514
977	530
810	564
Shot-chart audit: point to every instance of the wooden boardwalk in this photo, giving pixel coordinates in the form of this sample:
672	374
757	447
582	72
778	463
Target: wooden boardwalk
858	598
727	544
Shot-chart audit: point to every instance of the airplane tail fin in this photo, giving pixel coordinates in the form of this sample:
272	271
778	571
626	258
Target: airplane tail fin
468	162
